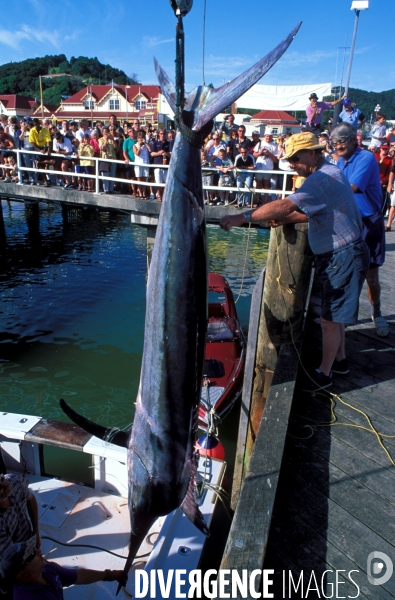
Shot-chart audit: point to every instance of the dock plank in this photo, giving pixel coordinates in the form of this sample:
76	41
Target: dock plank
336	492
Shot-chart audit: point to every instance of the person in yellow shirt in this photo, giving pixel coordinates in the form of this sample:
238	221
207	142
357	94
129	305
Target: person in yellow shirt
41	140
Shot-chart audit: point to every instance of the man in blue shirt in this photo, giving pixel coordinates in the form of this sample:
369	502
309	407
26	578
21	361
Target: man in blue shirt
361	170
351	115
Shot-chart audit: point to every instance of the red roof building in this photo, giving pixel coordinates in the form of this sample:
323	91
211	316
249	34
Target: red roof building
98	102
279	121
15	105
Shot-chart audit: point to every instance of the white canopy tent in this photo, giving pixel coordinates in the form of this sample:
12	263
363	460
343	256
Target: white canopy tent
282	97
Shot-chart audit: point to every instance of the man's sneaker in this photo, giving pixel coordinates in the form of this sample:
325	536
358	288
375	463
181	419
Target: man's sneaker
340	367
381	325
317	381
226	202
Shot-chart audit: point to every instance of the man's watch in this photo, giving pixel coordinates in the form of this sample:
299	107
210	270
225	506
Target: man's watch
247	215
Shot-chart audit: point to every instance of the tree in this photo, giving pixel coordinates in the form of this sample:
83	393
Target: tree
23	77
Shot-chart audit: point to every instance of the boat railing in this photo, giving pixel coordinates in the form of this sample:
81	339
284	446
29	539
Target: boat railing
101	176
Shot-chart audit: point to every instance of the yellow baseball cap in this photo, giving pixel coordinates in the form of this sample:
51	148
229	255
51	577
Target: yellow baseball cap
301	141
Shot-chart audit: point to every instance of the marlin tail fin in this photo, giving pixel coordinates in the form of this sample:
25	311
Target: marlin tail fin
206	102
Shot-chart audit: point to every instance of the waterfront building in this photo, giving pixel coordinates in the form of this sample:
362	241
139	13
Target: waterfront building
280	121
14	105
127	102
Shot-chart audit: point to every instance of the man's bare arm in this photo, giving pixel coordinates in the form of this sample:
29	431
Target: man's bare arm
273	211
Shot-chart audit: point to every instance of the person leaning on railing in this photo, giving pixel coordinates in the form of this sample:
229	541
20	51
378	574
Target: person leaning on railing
85	150
142	157
128	155
107	151
27	159
6	144
63	146
41	140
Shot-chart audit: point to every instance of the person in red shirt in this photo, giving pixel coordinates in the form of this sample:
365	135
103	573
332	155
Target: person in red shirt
385	165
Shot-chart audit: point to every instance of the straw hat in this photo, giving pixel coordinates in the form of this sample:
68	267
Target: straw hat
301	141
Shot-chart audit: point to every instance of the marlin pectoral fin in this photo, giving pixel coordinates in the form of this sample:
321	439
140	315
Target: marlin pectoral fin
166	84
108	434
191	510
189	506
218	99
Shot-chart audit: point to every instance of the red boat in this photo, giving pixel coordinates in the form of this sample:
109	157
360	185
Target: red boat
225	354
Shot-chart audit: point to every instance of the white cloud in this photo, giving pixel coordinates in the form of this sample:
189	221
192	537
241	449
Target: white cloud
151	41
13	38
73	36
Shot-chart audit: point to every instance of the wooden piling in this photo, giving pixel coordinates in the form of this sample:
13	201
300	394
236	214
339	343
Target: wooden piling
287	281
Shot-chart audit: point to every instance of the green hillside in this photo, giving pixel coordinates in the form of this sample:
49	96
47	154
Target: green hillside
23	77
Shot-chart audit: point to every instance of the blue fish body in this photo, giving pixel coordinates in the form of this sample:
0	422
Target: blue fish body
161	458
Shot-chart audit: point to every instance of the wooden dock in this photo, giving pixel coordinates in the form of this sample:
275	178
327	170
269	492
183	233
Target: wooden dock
335	499
145	212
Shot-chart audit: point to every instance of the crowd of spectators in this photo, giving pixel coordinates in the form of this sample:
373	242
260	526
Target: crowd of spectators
229	157
131	145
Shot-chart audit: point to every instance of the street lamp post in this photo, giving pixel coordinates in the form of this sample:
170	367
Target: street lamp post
127	110
356	5
49	76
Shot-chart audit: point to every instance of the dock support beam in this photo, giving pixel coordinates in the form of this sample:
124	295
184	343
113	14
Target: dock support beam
285	292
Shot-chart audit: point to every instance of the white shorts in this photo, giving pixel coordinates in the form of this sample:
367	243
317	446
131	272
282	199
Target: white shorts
160	175
393	199
374	143
141	171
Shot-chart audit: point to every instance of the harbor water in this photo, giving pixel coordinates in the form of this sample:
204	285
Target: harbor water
73	286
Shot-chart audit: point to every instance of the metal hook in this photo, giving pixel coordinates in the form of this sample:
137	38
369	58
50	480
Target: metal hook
181	7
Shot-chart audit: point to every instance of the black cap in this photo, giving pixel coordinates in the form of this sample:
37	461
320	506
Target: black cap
313	95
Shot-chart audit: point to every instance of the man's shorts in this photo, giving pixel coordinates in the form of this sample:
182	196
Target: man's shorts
342	274
392	199
160	175
262	175
141	171
373	233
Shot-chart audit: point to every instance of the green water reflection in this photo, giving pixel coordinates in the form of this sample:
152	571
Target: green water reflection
73	302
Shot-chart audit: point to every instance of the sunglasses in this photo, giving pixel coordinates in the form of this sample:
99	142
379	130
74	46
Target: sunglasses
339	142
295	158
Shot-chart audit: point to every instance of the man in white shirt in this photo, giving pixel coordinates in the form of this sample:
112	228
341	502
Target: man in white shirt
378	133
265	154
62	145
82	130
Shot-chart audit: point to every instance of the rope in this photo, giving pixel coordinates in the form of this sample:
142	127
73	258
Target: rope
252	192
47	537
330	395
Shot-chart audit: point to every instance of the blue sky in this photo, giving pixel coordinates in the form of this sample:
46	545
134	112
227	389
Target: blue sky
128	34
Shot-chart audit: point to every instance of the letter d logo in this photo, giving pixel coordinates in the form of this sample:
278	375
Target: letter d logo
375	567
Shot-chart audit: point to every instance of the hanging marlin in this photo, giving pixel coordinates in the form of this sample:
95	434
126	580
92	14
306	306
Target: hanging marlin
161	459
